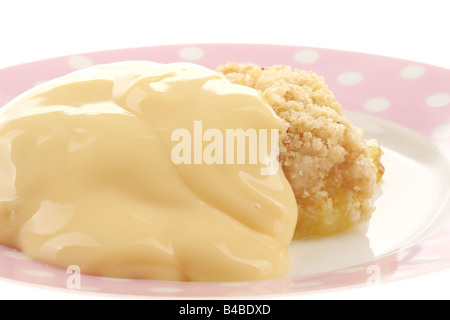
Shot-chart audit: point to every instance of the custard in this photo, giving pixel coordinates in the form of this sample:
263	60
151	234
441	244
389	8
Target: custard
88	177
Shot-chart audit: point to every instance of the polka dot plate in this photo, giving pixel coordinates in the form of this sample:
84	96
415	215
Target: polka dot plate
404	105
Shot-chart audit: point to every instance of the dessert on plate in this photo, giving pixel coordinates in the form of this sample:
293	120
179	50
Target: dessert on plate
177	172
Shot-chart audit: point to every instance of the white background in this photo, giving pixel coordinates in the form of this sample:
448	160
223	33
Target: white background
407	29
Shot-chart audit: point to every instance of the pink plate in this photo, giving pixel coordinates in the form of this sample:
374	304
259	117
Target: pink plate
404	104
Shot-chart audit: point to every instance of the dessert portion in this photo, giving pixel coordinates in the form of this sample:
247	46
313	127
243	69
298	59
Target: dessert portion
96	171
332	169
177	172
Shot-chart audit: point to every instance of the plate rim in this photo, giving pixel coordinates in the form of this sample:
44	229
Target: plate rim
278	46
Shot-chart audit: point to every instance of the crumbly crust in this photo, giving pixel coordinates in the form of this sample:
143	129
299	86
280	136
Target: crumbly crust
324	157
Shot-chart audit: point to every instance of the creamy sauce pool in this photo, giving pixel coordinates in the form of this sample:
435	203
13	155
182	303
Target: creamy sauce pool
87	178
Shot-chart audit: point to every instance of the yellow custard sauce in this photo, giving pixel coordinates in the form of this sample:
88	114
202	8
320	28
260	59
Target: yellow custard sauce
87	177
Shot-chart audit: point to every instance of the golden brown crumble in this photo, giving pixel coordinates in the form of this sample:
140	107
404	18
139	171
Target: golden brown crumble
324	157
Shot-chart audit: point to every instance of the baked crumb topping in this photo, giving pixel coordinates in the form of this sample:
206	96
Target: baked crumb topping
332	169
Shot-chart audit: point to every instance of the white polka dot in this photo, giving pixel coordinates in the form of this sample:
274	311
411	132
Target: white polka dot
306	56
191	53
350	78
79	62
39	273
438	99
442	131
412	72
377	104
166	290
17	255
